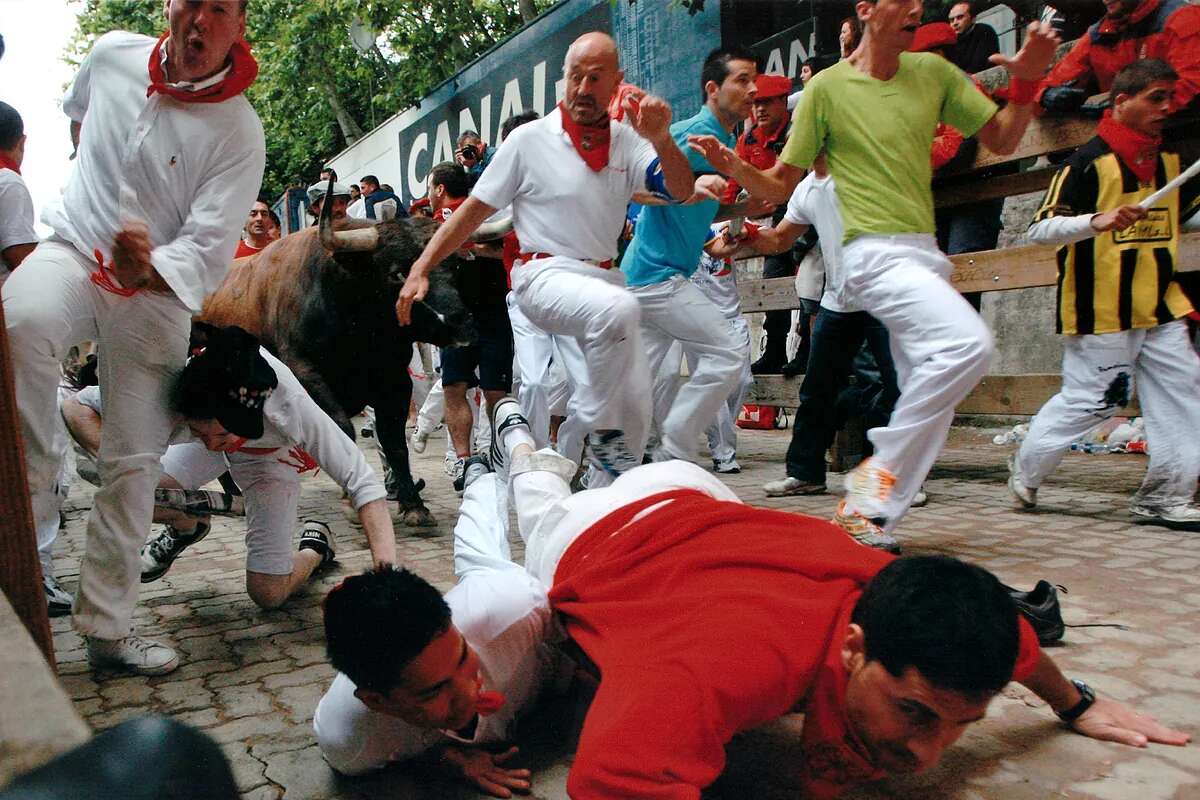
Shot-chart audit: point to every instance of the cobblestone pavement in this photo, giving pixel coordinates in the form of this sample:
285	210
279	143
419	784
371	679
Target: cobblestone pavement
251	679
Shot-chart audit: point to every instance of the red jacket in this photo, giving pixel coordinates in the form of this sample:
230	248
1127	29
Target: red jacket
1165	29
707	618
760	150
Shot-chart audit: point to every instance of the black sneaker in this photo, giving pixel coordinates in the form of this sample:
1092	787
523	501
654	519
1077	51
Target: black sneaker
473	469
317	537
160	553
797	366
766	366
506	415
1040	607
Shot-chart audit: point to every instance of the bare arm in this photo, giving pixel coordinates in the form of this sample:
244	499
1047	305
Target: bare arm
452	235
651	118
381	537
13	256
1003	132
774	185
1106	719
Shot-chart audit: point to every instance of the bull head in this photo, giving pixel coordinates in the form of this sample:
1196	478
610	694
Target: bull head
358	239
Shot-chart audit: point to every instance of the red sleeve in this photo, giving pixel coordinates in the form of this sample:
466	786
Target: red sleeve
1075	65
1028	652
946	142
647	735
1183	53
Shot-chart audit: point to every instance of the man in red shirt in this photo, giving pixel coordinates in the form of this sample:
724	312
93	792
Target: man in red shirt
257	231
890	659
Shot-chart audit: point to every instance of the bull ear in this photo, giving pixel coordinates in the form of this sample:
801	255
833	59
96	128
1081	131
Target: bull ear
358	239
490	231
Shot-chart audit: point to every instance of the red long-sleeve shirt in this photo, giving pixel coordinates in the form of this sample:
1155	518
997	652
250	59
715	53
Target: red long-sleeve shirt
706	618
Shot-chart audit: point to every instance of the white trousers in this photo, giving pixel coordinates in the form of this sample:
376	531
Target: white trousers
539	381
940	344
570	298
49	305
1099	373
550	518
271	488
676	310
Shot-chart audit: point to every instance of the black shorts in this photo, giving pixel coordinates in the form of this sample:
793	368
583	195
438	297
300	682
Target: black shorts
493	356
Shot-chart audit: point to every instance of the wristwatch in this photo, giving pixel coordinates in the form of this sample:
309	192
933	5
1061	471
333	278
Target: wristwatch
1086	697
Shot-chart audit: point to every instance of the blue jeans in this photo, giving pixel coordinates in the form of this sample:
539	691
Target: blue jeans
825	398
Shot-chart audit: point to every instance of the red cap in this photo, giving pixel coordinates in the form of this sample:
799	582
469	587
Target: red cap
935	34
773	86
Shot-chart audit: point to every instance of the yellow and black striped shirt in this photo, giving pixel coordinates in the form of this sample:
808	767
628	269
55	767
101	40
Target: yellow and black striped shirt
1118	280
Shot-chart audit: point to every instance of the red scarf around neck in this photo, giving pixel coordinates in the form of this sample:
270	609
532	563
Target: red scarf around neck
241	74
591	141
8	163
1138	151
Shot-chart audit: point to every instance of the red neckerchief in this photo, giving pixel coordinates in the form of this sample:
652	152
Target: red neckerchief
241	74
1136	150
591	141
445	211
8	163
488	703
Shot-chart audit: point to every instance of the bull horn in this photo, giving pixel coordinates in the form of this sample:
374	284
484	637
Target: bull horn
492	230
356	239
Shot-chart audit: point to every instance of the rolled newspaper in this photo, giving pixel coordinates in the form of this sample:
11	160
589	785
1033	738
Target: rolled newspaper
1172	185
201	502
738	224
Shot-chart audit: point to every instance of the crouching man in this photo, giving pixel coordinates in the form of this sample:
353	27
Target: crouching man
246	413
422	675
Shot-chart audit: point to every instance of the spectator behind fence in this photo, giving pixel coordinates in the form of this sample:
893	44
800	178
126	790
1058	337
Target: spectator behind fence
17	237
275	230
379	204
327	173
849	35
316	198
257	231
977	41
1130	29
355	192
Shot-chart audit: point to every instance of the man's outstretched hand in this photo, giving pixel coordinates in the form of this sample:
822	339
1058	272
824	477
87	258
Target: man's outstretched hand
1035	55
1111	721
414	290
487	771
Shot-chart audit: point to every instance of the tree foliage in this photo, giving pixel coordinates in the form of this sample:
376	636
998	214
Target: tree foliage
315	93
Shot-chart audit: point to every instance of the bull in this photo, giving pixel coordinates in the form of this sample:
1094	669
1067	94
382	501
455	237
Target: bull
323	301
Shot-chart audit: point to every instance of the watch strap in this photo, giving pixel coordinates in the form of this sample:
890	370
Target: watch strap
1087	696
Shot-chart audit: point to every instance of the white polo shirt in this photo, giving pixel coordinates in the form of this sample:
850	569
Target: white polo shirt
503	614
188	170
814	202
560	205
16	214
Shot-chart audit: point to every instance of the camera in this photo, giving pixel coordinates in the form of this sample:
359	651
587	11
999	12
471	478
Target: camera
469	152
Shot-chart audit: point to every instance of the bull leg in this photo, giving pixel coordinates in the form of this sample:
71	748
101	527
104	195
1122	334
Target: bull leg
391	411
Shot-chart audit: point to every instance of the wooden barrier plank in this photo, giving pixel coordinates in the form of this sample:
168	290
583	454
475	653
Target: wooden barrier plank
972	190
1005	395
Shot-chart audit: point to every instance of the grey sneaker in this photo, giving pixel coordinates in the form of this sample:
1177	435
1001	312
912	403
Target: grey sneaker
160	553
506	415
789	486
419	439
317	537
58	599
1182	517
609	452
474	468
1024	495
727	466
133	653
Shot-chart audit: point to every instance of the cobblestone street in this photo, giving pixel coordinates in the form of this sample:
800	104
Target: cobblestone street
251	679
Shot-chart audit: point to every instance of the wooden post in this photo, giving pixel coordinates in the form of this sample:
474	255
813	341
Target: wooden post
20	569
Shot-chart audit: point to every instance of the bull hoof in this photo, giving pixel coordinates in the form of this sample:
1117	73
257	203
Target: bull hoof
417	518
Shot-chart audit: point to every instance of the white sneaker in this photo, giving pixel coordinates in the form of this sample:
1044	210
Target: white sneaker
1024	495
789	486
1183	516
920	499
460	466
419	438
452	466
727	466
58	599
134	653
870	483
609	452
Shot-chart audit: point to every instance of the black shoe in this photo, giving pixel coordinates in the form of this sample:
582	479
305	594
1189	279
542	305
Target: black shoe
766	365
506	415
1040	607
158	554
473	468
797	366
317	537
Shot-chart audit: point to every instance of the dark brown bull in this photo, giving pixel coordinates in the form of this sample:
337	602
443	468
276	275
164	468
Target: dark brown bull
323	301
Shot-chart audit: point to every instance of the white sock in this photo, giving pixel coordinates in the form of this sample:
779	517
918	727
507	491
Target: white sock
515	436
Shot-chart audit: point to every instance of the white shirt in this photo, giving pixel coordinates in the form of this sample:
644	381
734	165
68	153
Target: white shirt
504	615
16	214
188	170
717	279
814	202
357	209
560	205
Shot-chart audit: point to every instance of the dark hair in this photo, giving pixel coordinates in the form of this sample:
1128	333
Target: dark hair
462	137
716	65
855	27
452	176
229	382
951	621
516	121
378	622
12	128
971	7
1136	77
371	179
332	172
275	218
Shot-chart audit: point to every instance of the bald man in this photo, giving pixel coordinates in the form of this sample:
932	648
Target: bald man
569	177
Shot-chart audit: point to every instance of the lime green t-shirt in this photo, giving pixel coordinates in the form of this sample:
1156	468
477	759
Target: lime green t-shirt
877	137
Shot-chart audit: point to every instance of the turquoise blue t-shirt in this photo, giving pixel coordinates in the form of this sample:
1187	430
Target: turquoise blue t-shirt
668	239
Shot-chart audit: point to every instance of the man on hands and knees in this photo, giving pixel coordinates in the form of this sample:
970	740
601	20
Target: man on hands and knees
569	177
135	252
889	659
1121	306
874	115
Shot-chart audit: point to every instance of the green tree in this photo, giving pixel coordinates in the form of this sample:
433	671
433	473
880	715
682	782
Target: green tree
315	92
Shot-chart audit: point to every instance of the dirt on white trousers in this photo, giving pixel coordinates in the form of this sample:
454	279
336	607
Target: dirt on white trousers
1099	374
610	389
676	310
941	347
49	305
